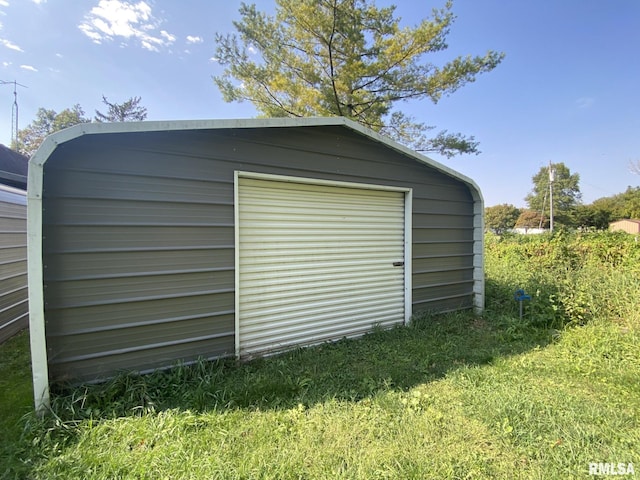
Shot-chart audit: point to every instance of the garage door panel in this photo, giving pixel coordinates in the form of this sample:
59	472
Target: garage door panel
319	249
311	238
369	207
316	262
311	268
328	284
289	304
331	325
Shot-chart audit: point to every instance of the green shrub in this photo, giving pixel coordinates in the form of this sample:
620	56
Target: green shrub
572	277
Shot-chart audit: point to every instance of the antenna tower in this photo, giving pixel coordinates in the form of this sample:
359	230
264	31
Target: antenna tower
14	109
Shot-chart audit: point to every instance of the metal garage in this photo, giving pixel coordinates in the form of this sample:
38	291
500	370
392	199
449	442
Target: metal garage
157	242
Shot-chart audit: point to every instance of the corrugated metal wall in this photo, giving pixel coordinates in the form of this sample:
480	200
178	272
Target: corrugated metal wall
629	226
14	308
138	236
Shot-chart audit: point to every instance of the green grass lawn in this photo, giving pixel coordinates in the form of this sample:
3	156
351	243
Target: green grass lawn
16	396
449	397
455	396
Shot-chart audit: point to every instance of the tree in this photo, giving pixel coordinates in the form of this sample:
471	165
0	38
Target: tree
617	207
129	111
631	202
566	192
614	205
347	58
500	218
531	219
46	122
49	121
590	216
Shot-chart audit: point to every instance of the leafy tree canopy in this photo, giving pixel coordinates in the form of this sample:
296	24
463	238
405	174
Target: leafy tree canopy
531	219
501	218
347	58
591	216
128	111
566	192
622	205
46	122
50	121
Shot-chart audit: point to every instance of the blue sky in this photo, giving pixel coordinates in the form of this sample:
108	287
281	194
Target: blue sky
568	90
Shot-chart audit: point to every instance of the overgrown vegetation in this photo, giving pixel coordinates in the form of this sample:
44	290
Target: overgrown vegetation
453	396
573	278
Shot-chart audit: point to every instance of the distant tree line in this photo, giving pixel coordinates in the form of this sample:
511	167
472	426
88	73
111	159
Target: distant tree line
49	121
568	209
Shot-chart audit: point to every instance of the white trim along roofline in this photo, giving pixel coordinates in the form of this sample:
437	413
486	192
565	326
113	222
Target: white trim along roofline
34	208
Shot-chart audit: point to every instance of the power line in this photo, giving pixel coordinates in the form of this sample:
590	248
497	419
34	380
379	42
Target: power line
14	108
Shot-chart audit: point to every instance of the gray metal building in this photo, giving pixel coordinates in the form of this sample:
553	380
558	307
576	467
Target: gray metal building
14	309
155	242
13	168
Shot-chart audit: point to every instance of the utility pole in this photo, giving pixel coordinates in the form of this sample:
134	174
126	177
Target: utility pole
552	177
14	109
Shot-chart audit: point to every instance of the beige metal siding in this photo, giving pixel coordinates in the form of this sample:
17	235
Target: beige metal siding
629	226
316	262
14	309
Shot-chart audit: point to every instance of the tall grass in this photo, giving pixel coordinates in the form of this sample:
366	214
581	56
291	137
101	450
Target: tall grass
572	278
453	396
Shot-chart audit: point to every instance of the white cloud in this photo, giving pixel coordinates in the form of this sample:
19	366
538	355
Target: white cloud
167	36
39	2
252	50
6	64
4	3
149	45
29	67
89	32
59	55
10	45
214	60
121	18
194	39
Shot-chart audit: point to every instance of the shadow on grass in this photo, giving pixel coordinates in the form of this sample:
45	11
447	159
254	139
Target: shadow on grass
347	370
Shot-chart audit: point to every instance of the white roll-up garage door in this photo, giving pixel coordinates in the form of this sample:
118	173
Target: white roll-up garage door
316	262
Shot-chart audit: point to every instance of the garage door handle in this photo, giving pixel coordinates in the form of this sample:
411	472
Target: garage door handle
398	264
